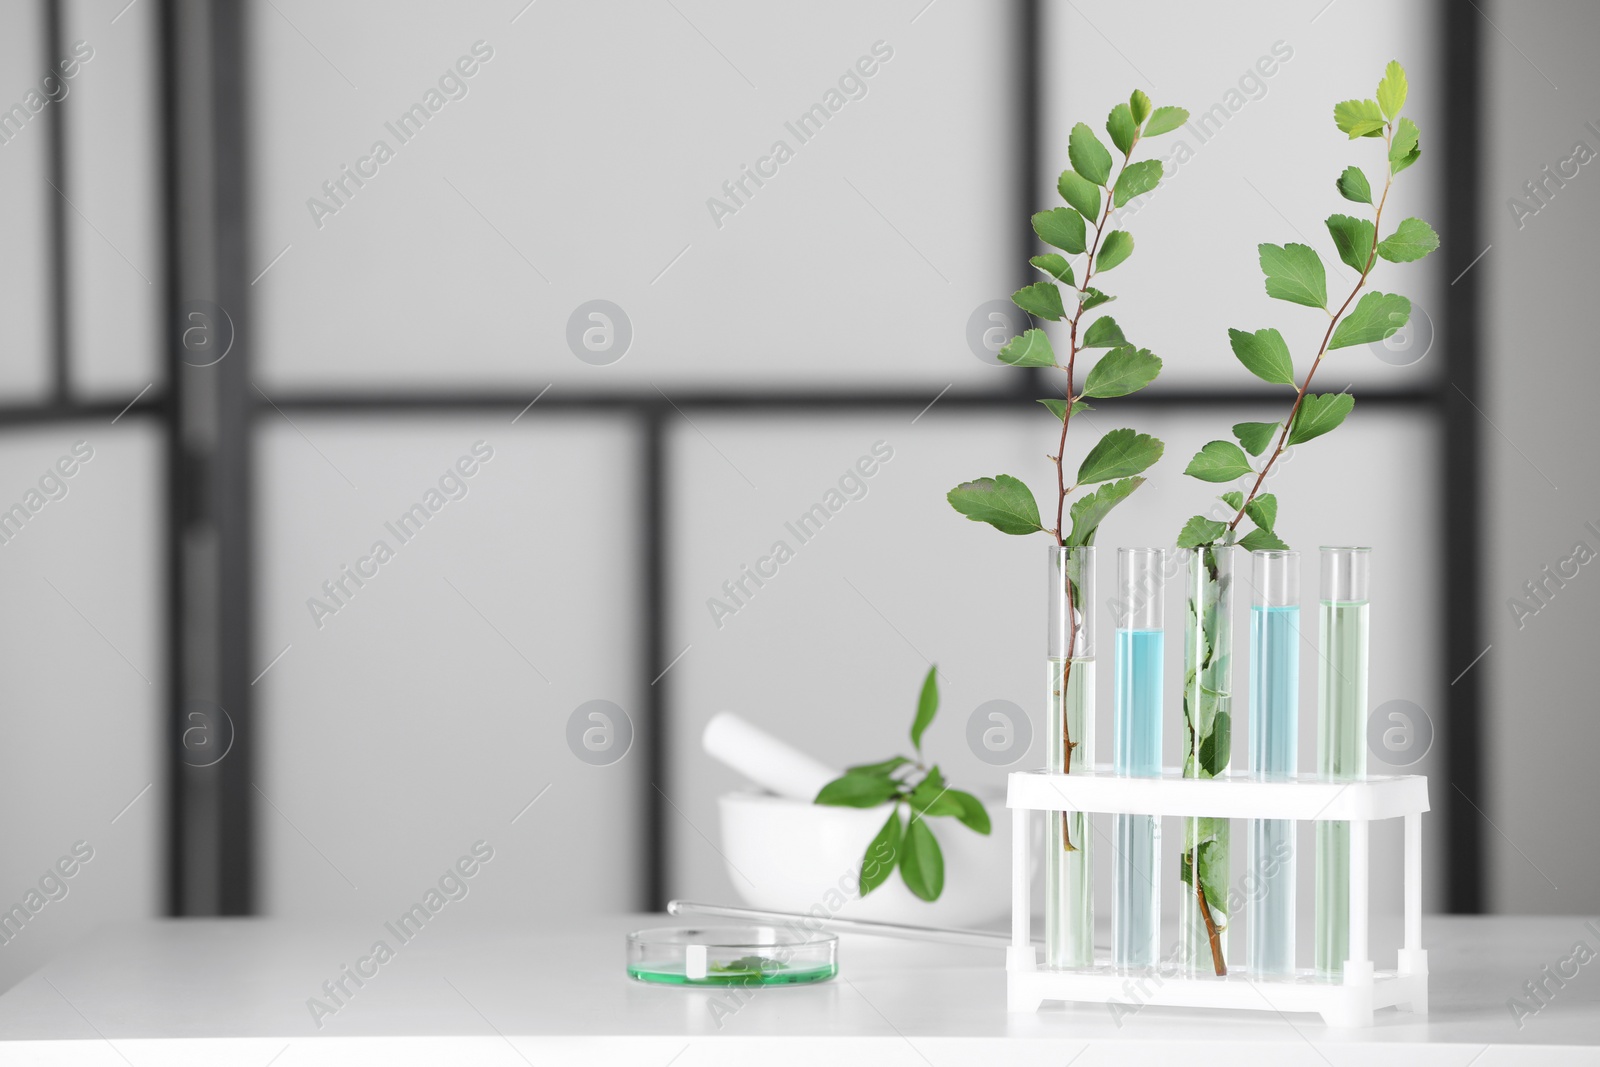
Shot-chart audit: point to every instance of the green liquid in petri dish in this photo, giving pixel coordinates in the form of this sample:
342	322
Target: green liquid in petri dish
746	973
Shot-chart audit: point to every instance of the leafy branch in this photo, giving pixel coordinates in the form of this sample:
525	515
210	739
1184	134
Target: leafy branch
1115	463
1295	273
906	780
1118	460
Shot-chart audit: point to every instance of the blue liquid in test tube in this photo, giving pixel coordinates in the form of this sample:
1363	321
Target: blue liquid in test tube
1136	752
1274	740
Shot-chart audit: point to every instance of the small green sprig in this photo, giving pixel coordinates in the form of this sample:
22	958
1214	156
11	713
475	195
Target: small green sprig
906	780
1295	273
1082	228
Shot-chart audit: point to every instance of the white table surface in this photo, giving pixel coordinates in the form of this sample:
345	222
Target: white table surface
220	992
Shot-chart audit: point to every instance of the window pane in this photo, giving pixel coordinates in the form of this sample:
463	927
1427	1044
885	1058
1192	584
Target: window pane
24	264
423	709
560	177
112	153
85	757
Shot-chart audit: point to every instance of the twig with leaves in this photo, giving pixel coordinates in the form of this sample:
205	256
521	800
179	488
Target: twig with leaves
1082	228
907	780
1294	273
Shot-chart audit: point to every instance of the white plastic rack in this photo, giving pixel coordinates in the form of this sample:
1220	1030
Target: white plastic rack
1347	1001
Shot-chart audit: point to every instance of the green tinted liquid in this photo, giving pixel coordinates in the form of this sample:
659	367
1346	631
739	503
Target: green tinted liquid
672	974
1068	896
1341	756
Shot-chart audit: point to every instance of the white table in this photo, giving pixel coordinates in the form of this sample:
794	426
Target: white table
219	992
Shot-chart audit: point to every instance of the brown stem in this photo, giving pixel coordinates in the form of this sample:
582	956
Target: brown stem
1372	261
1067	743
1217	962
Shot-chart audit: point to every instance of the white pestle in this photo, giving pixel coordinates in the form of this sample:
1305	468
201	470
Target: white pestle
768	762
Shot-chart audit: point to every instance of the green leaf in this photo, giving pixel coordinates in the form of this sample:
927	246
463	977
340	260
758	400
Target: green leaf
1375	317
1139	104
1318	414
1093	298
1058	407
1089	157
1080	193
1213	873
1219	461
1042	299
1392	90
1137	179
927	707
883	852
932	796
1002	502
1117	455
973	815
1103	333
1254	436
1217	747
1031	349
1201	531
1353	238
1121	371
921	862
1091	509
1261	540
1056	266
1294	273
1117	247
1353	185
1165	120
1122	127
1358	118
882	769
1062	227
1264	354
857	790
1410	157
1233	498
1263	511
1403	148
1411	240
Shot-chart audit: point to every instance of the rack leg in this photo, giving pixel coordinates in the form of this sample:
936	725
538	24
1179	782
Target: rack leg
1359	975
1413	881
1360	857
1413	961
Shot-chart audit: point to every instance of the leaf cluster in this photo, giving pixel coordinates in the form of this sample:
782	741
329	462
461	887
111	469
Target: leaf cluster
1079	229
1295	273
905	780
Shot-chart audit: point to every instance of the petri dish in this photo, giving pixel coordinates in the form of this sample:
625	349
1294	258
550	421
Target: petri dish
746	956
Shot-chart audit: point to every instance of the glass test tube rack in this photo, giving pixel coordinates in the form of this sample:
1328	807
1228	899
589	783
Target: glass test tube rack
1348	1000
